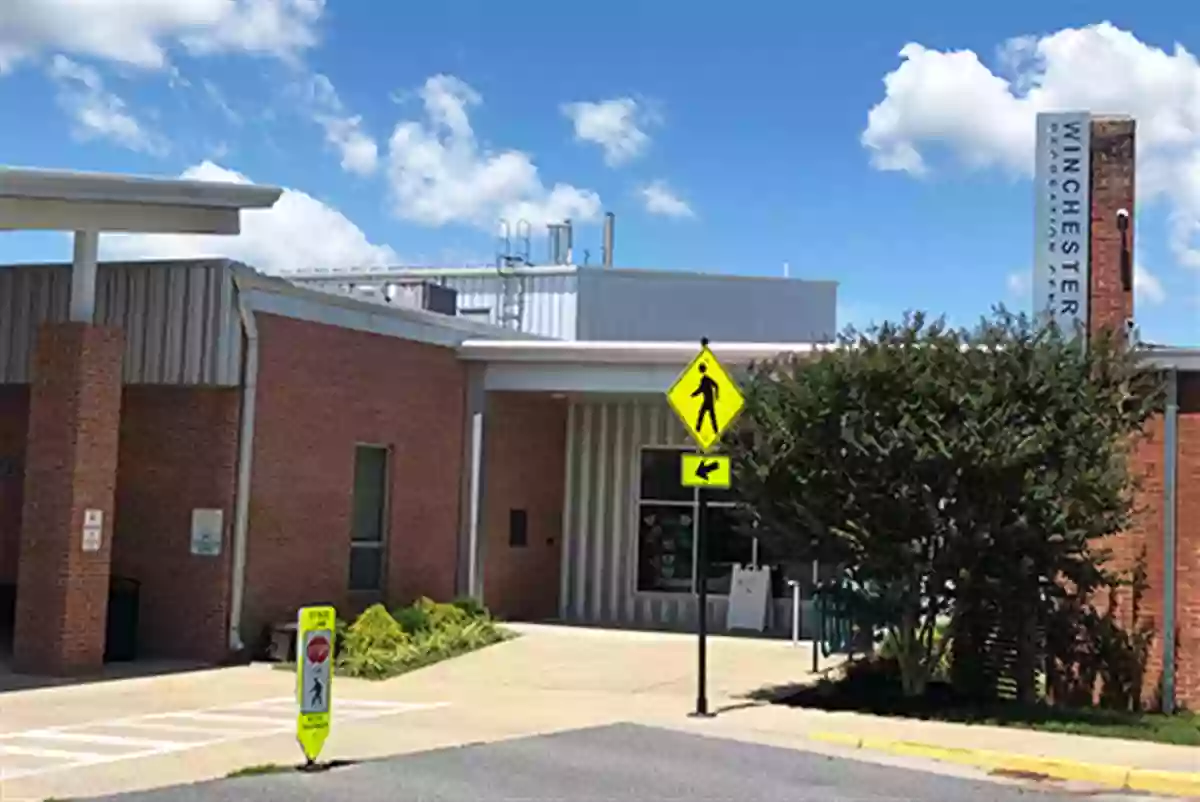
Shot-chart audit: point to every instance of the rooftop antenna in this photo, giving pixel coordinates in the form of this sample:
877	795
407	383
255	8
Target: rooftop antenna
609	224
503	242
524	238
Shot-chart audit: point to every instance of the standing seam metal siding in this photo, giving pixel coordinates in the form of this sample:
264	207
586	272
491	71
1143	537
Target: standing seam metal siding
180	319
549	301
604	438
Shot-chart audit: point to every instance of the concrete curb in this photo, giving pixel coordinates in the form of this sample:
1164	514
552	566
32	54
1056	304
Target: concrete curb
1171	783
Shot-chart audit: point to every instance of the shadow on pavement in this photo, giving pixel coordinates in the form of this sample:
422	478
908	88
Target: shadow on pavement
11	681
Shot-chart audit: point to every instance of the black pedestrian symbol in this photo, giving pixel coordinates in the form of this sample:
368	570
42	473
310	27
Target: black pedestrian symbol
318	693
710	392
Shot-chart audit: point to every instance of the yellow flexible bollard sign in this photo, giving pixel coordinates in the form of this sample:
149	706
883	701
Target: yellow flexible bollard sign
314	678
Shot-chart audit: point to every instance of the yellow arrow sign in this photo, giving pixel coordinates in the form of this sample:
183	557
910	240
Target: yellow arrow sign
705	470
314	678
706	399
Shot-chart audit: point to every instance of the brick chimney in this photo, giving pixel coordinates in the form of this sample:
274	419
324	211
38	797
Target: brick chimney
1110	296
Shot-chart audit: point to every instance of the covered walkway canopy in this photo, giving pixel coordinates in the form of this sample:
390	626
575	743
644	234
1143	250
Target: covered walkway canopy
75	389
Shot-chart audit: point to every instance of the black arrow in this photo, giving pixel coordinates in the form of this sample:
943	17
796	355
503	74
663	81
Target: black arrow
705	468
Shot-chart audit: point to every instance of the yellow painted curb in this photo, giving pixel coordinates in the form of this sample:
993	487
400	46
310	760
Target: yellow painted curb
1172	783
1175	783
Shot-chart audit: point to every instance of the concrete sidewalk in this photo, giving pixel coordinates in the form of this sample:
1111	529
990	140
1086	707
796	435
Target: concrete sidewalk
1105	762
551	679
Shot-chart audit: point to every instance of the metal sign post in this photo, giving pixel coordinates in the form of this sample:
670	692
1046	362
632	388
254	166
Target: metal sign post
702	611
707	401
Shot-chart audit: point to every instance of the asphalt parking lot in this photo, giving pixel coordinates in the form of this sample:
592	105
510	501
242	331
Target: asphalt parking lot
617	762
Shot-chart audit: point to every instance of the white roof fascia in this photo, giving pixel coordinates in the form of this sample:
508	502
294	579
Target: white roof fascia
624	353
65	185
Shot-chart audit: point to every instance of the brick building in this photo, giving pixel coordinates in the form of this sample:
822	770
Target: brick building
252	445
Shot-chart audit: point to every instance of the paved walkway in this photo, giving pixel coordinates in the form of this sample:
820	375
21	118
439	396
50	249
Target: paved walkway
551	679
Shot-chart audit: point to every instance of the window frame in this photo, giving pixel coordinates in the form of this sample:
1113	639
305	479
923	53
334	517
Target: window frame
380	547
635	517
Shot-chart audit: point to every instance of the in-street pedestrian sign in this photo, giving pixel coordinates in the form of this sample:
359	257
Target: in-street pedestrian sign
706	399
705	470
314	678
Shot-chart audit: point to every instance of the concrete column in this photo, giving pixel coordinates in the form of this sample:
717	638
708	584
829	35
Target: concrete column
70	484
83	277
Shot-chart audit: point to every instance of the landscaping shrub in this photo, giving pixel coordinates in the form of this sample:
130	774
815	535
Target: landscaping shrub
372	644
381	644
472	607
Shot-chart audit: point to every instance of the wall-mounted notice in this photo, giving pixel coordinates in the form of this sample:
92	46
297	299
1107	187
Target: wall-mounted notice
93	530
208	528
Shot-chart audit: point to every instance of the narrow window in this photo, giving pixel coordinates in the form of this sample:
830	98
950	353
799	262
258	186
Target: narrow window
368	532
518	528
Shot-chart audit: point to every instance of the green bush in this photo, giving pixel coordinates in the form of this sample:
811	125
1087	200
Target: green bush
412	619
425	614
889	649
472	607
381	644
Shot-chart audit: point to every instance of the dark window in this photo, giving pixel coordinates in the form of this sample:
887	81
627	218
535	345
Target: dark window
728	543
518	531
369	523
665	537
666	528
661	478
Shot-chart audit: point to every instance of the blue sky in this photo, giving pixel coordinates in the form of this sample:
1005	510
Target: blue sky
726	139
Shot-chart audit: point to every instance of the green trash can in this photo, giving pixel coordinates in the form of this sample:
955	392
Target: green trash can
120	645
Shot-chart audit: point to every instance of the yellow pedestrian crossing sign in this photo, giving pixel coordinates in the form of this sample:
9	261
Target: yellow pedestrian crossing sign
705	398
314	677
705	470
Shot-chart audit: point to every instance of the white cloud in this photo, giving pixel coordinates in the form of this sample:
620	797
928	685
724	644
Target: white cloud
984	116
660	199
98	113
217	97
1019	284
1147	289
140	32
440	174
359	152
615	125
299	233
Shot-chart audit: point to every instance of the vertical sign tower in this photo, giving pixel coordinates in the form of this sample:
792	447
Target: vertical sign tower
1062	209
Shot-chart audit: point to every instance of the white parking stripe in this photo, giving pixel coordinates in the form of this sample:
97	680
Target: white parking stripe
50	754
259	726
231	717
167	727
95	738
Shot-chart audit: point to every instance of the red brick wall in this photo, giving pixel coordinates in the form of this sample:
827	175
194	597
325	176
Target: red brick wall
1144	540
524	449
1187	516
70	467
178	452
14	421
1148	534
1112	187
321	390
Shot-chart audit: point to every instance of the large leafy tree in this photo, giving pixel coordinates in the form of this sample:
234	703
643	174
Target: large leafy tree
943	468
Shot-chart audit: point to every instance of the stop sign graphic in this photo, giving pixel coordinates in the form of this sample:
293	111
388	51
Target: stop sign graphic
318	649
